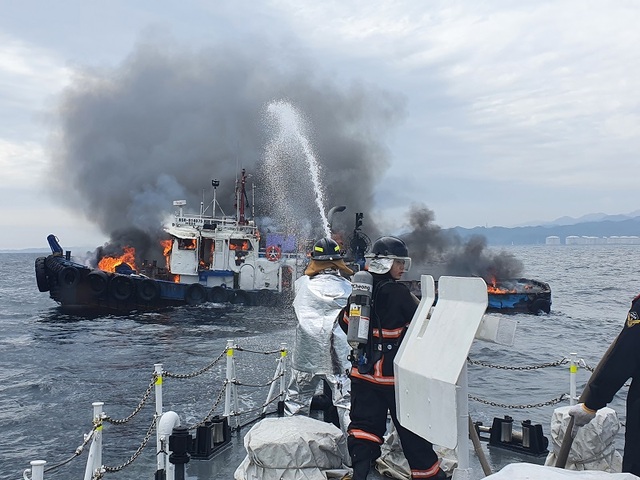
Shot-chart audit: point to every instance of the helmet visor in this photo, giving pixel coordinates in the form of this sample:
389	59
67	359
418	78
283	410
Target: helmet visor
382	265
406	261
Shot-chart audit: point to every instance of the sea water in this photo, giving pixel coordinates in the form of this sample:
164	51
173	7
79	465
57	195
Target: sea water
54	365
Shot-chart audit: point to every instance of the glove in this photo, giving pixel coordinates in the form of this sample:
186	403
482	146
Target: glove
581	414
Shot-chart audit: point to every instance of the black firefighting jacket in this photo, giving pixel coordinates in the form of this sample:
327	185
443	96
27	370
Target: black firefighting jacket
620	363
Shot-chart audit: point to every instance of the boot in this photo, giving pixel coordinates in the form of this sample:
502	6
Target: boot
361	469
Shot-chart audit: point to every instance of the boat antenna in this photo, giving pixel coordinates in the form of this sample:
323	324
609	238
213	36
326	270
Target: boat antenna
241	197
215	183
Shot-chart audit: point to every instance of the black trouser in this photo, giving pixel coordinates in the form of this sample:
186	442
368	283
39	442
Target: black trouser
369	407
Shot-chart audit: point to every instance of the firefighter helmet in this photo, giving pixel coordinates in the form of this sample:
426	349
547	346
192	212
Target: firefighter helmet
326	249
385	251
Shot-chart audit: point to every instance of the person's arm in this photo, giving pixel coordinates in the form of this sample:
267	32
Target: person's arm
343	318
618	365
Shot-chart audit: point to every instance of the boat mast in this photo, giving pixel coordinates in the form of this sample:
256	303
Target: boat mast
241	198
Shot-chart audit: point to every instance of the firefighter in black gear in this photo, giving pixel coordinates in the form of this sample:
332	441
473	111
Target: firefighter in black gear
619	363
372	385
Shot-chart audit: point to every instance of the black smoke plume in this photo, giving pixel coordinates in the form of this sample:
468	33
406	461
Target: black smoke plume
439	252
166	121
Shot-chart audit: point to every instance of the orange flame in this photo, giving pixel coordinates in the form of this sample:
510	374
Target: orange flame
167	245
236	245
109	264
492	287
166	250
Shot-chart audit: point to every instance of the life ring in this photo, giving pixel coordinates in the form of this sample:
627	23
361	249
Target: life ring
98	281
218	295
148	290
69	276
195	294
274	253
41	275
121	287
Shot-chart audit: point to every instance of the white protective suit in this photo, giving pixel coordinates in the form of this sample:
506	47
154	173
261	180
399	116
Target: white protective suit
320	350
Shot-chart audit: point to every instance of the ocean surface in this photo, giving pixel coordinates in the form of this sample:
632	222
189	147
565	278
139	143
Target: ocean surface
54	365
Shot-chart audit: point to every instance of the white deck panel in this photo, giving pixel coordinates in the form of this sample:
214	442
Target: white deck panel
433	355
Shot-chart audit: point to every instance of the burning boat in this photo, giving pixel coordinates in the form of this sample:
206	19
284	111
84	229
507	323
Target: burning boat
520	295
209	258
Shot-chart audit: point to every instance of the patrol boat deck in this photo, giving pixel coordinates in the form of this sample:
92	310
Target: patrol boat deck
444	418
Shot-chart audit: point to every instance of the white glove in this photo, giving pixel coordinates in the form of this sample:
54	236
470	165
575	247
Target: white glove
581	414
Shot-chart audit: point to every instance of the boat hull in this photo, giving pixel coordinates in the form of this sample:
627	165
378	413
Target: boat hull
520	295
78	288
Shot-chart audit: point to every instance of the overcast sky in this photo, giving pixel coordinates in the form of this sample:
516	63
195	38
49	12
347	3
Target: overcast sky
490	113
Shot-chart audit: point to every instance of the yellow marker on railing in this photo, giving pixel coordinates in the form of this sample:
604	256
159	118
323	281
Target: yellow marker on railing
573	369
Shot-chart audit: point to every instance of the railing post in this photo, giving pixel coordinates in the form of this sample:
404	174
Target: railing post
573	370
280	372
160	460
230	393
94	459
283	357
36	470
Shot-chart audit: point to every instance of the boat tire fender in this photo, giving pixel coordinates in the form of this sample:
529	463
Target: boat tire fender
121	287
69	276
195	294
239	297
218	295
267	298
98	281
41	275
148	290
540	305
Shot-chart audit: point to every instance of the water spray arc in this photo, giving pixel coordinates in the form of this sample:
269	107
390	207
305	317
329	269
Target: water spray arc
288	143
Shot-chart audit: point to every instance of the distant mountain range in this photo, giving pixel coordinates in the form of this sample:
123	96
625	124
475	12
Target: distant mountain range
590	217
531	233
593	225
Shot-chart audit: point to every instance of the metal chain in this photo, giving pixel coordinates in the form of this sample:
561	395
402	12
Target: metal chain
145	397
196	373
260	407
241	349
584	364
236	382
78	451
526	367
554	401
215	405
137	452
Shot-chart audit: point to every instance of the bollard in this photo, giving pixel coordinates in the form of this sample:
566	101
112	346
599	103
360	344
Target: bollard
179	443
506	430
36	470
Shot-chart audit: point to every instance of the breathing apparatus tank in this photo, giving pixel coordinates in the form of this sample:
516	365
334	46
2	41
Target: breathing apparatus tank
359	314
